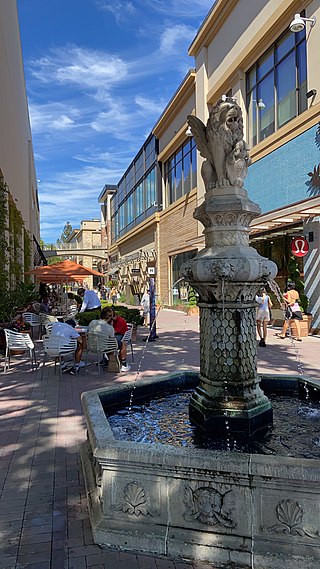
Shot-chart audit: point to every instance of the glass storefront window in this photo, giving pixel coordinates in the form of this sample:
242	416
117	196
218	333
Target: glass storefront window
179	291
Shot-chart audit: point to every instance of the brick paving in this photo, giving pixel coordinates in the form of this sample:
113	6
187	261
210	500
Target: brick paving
44	521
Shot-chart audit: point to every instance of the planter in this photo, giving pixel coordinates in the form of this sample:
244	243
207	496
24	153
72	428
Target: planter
193	310
305	325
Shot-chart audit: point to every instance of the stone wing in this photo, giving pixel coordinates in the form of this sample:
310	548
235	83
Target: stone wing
199	132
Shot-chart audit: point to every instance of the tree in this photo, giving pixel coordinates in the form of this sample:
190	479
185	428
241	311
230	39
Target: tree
67	231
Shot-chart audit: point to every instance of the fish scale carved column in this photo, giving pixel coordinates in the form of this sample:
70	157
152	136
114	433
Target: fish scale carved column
226	275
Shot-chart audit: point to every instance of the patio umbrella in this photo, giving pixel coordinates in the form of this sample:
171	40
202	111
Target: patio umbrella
65	271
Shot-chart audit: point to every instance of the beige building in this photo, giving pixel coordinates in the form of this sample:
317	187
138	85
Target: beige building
17	170
244	50
86	239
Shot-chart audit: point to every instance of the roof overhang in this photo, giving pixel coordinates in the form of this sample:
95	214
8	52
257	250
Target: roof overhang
286	217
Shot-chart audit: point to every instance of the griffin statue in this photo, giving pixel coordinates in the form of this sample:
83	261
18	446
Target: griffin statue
221	144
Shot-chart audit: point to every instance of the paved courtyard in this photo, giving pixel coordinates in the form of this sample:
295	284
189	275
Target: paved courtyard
44	521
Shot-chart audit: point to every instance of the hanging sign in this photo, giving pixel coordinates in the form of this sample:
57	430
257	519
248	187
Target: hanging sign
299	246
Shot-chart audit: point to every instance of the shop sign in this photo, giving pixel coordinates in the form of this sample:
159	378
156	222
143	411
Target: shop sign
135	271
151	270
299	246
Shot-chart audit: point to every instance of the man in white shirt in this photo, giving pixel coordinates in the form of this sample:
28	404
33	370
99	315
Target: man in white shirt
90	300
65	330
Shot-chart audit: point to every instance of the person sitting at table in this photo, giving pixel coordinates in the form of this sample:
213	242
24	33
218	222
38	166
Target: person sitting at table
66	330
90	300
120	326
45	306
103	328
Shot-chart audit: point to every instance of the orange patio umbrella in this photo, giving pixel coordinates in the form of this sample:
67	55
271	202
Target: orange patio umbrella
65	271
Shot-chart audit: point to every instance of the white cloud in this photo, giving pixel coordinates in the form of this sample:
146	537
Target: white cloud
72	192
181	8
52	116
85	68
120	10
149	106
63	122
173	36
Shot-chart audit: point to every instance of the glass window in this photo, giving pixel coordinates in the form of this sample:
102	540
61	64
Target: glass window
302	76
186	167
265	64
266	114
194	165
286	89
139	200
284	45
180	171
277	87
178	176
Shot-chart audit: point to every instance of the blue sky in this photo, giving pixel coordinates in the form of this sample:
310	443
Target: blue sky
98	74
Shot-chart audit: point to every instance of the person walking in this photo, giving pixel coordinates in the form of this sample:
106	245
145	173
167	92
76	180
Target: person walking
145	303
292	312
263	315
114	295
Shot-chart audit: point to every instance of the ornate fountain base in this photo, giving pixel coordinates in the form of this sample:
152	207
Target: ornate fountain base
229	399
242	423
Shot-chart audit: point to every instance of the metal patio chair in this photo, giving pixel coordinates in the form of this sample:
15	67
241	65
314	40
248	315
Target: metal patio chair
99	344
18	341
57	348
34	320
127	338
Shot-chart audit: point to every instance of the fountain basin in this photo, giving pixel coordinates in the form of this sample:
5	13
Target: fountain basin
254	510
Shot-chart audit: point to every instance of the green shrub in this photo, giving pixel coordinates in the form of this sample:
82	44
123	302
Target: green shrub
131	315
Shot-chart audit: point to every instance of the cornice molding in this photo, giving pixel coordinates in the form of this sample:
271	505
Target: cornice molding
181	96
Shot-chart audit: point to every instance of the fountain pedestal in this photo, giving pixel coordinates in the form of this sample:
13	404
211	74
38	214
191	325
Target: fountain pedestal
227	275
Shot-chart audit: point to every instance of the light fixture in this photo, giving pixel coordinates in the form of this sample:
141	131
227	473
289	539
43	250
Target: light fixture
261	104
188	131
311	93
299	23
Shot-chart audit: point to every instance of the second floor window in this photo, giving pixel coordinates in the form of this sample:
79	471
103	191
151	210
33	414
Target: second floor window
180	172
277	86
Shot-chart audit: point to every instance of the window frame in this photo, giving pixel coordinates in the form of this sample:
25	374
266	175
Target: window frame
254	82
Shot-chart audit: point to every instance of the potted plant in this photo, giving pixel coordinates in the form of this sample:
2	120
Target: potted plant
192	302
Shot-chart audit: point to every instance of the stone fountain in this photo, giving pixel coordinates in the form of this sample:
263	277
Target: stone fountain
227	274
228	508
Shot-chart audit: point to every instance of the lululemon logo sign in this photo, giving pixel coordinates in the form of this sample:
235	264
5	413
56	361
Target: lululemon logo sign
299	246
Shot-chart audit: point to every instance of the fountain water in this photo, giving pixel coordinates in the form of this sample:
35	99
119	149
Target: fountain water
239	509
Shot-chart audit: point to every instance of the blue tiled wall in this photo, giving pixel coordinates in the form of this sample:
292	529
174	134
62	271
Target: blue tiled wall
281	178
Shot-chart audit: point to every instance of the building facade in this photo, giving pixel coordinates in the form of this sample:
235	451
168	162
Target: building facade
86	239
244	50
18	182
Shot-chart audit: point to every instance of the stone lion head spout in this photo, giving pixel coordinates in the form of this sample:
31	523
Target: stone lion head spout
219	143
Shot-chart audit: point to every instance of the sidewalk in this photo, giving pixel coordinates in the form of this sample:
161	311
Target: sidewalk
44	522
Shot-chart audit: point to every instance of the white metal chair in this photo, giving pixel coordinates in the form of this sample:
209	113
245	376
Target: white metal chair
48	327
57	348
18	341
100	344
72	311
127	338
34	320
46	319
